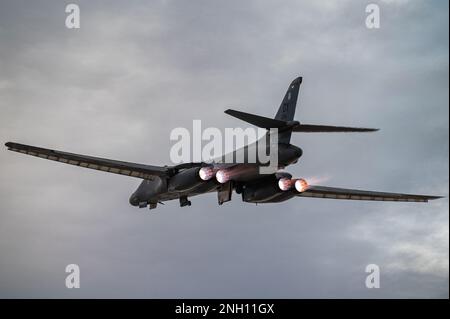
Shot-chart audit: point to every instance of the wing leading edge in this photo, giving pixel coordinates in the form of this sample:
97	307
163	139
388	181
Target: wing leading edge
353	194
97	163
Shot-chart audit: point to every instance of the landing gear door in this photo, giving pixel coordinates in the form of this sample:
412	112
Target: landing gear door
224	193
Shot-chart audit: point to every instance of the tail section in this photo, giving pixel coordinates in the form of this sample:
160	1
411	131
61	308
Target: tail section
286	111
284	119
259	121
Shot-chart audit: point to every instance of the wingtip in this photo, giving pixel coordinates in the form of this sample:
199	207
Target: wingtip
432	197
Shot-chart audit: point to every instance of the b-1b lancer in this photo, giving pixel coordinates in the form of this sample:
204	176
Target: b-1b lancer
164	183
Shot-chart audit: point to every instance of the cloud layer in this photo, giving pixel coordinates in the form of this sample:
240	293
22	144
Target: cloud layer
134	71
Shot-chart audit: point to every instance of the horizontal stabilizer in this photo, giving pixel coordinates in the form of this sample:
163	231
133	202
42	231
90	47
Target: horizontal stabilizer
309	128
267	123
259	121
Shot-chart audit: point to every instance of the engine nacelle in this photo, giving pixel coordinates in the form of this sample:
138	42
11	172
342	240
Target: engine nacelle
260	192
267	190
185	180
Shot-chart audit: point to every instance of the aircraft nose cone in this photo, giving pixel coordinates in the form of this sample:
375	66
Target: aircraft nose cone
134	200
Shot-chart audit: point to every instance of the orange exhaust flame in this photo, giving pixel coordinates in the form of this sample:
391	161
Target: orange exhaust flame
301	185
315	180
206	173
227	174
286	183
222	176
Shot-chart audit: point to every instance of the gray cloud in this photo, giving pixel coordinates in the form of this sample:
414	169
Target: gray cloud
117	86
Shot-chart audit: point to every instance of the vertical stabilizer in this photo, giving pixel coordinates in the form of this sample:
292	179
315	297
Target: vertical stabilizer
286	111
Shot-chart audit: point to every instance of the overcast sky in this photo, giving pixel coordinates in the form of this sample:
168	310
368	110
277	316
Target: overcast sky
135	70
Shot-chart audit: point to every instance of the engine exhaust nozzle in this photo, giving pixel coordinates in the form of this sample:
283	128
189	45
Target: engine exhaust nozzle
286	184
206	173
301	185
222	176
235	173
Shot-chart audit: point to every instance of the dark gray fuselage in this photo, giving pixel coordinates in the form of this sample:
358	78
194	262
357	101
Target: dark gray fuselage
187	182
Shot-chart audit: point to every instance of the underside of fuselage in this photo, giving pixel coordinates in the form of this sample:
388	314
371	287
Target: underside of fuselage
238	173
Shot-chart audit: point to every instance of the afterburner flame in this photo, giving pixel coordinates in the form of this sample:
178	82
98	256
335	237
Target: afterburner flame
206	173
317	180
222	176
301	185
226	174
286	183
